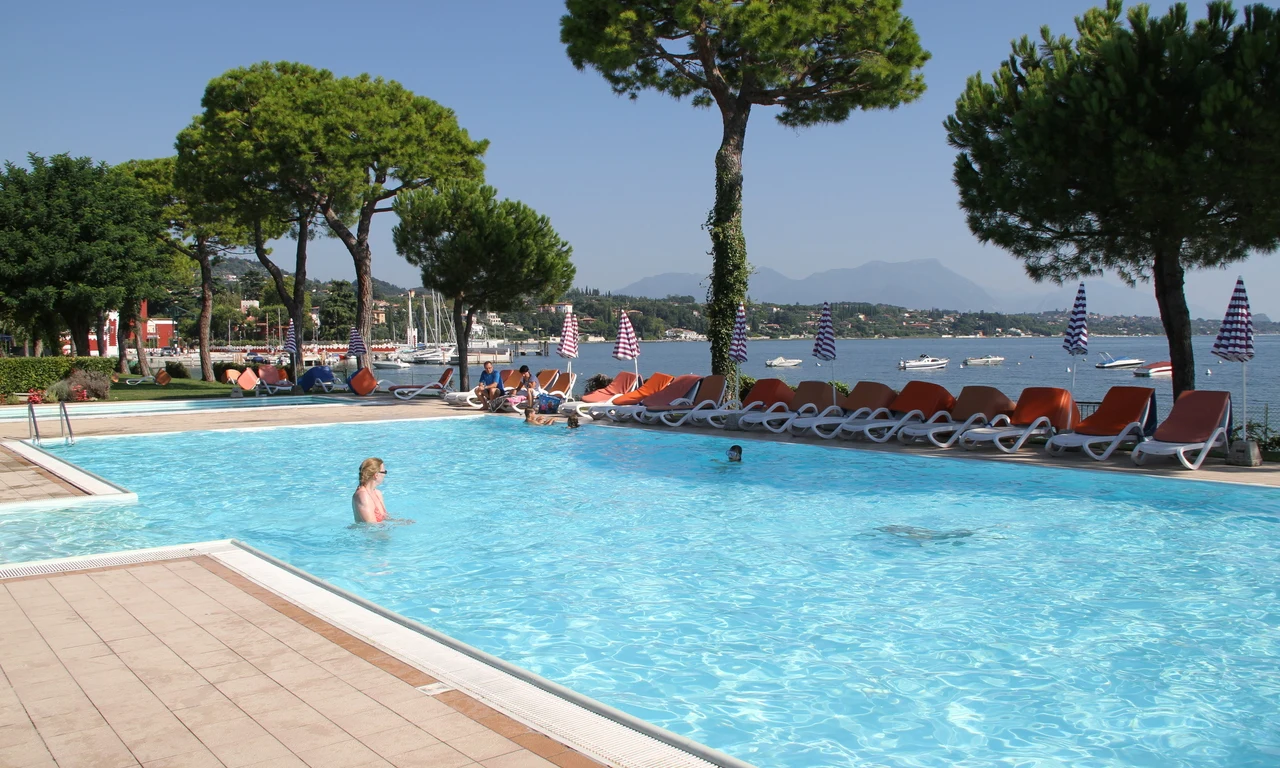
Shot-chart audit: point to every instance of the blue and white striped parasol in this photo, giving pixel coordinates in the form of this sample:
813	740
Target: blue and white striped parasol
1235	340
1076	342
291	340
568	346
626	347
738	345
355	344
824	345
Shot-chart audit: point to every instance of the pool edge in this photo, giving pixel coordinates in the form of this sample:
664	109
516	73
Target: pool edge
96	489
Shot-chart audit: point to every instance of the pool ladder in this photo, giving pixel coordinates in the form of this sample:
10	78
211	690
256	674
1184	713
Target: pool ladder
64	425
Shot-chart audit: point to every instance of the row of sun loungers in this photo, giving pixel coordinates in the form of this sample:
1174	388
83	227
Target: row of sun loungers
926	412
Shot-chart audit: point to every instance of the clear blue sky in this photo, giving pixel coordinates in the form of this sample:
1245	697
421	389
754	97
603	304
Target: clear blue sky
627	183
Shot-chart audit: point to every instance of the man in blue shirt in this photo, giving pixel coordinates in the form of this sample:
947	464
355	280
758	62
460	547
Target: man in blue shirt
490	386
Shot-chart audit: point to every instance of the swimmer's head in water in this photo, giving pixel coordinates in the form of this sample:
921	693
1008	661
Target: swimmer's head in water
370	469
573	421
735	453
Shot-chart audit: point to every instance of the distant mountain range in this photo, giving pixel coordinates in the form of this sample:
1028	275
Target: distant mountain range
916	284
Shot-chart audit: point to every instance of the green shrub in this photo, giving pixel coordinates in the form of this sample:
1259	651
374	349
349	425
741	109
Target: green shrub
745	383
94	384
22	374
176	370
841	387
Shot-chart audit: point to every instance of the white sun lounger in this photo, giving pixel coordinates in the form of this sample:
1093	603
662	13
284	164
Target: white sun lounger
812	399
1039	413
1126	415
1199	422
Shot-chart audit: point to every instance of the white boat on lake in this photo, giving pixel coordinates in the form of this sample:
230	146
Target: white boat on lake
984	360
1109	362
389	362
923	363
783	362
1160	370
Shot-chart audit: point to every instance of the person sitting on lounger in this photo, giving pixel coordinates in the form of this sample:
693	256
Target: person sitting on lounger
366	502
490	386
528	385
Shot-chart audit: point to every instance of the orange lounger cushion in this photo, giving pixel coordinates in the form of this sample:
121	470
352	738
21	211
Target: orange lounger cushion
815	394
247	380
678	389
1054	403
656	383
362	382
1120	407
163	378
923	396
621	384
871	395
1195	417
988	401
769	392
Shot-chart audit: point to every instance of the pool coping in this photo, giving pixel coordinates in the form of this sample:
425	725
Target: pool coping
84	410
96	489
580	722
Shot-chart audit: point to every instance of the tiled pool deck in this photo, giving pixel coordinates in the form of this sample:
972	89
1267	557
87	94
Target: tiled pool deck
185	663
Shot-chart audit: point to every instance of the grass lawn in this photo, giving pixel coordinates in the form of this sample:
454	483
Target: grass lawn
178	389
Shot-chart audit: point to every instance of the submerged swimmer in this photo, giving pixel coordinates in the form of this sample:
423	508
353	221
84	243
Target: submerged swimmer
923	534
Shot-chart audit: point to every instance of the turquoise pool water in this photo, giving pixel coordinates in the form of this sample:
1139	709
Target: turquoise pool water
808	607
143	407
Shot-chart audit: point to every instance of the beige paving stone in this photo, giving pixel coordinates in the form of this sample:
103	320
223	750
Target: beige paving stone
395	741
31	752
288	718
241	753
365	722
238	729
394	692
183	697
271	701
233	671
253	685
291	761
94	748
521	759
157	737
14	735
422	710
201	758
301	675
217	712
482	744
310	736
435	756
69	722
451	726
343	754
206	659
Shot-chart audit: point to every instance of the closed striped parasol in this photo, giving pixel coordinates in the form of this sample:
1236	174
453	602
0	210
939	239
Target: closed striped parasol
824	345
291	340
355	344
568	346
738	346
626	347
1077	338
1235	340
1076	342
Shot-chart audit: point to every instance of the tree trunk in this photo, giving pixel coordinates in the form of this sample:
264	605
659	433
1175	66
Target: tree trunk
39	347
1176	318
294	302
206	308
357	244
729	272
100	333
364	292
140	344
462	328
80	326
122	336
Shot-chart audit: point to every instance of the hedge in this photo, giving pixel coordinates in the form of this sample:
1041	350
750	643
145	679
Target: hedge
22	374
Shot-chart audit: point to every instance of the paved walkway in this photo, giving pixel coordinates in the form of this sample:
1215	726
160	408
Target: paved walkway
185	664
22	481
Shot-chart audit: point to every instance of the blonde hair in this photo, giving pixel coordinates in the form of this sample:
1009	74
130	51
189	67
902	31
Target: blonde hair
369	468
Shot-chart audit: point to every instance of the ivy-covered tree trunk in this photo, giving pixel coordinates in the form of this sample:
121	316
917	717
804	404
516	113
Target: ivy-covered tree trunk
100	333
729	271
206	308
1170	277
462	329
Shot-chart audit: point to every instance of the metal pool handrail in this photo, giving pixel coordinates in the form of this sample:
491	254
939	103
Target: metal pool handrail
33	426
68	437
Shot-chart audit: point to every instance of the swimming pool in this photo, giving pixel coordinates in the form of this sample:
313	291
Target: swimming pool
145	407
812	606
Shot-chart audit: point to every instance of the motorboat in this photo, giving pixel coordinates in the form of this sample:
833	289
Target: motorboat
984	360
783	362
390	362
923	363
1109	362
1160	370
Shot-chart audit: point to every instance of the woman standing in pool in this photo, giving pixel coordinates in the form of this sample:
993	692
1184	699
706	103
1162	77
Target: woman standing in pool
366	502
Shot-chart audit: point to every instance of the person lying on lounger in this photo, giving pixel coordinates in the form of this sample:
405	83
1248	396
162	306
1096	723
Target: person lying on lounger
490	386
